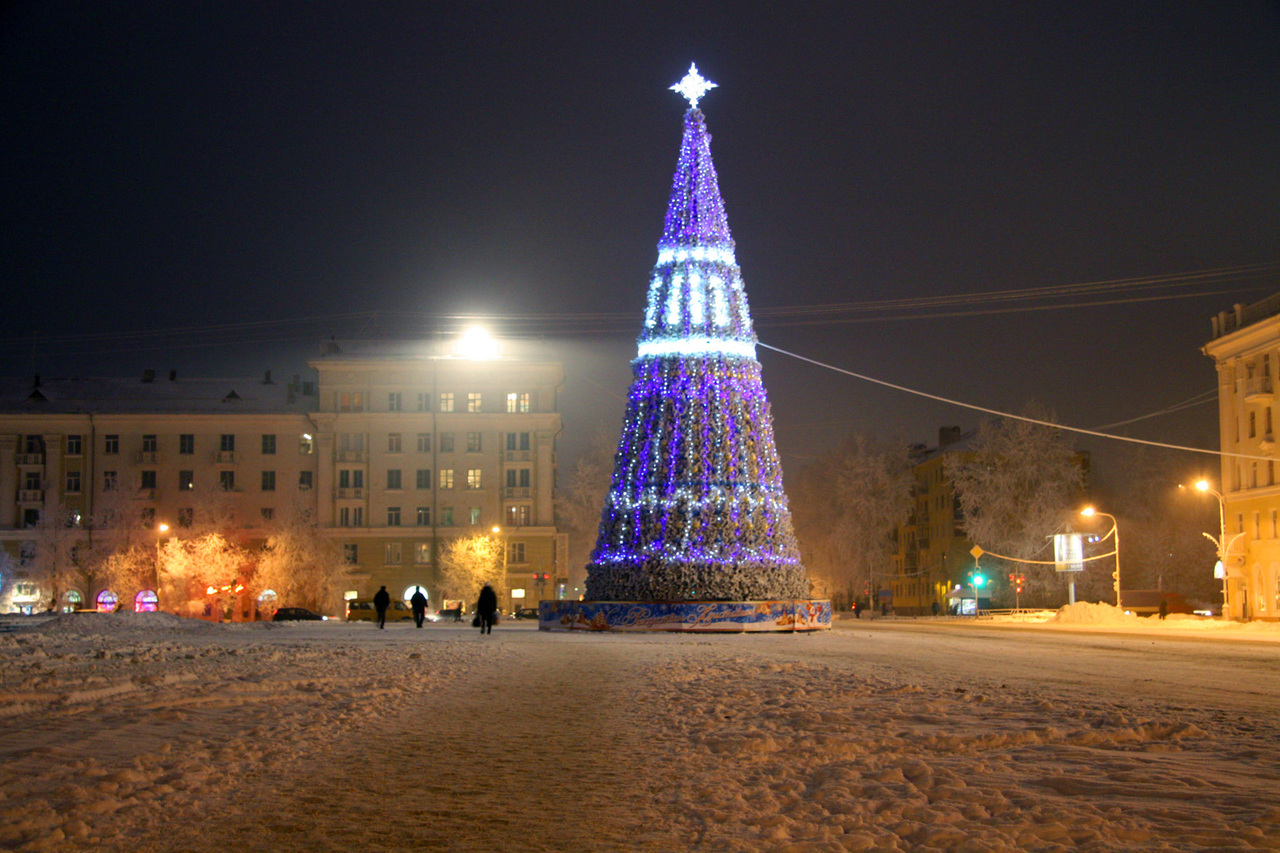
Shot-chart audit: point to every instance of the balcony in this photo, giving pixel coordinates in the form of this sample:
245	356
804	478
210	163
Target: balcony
30	496
145	457
350	455
225	457
1257	389
349	493
29	459
518	455
517	492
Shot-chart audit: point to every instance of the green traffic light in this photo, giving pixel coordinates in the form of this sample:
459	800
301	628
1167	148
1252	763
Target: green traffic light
979	580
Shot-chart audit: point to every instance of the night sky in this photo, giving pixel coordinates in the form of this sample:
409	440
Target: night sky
214	187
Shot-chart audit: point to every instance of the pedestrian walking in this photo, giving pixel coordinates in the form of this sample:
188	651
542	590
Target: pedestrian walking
419	605
487	609
935	607
1164	607
857	610
381	601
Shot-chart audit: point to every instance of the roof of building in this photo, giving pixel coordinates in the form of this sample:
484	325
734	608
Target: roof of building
154	394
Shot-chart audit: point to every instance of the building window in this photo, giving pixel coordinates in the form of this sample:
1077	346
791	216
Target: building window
424	478
74	445
394	401
31	481
1253	424
518	516
268	445
305	445
473	442
268	514
351	478
474	515
515	552
446	401
446	516
185	516
148	444
517	403
268	481
424	442
473	478
187	444
351	516
351	401
73	482
111	444
186	481
227	443
517	478
393	516
446	478
517	441
148	479
393	442
424	401
474	402
305	480
109	481
393	478
1267	421
446	442
422	553
350	553
392	555
227	480
424	516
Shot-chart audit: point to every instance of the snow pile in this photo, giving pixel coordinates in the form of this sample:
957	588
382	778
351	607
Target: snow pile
1089	613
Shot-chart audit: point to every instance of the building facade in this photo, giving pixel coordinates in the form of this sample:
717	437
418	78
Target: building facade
1245	349
395	447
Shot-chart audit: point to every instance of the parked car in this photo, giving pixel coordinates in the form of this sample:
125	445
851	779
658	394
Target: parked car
362	610
297	614
527	613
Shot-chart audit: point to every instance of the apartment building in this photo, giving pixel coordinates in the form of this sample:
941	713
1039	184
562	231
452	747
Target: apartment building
1245	349
396	447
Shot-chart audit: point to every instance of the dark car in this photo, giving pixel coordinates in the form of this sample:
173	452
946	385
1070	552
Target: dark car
527	613
297	614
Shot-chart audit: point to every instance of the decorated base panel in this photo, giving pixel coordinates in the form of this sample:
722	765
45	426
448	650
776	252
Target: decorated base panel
702	616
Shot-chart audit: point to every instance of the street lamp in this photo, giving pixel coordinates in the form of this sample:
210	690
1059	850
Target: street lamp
502	543
1221	542
160	531
1089	512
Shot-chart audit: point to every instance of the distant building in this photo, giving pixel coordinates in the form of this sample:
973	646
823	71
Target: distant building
397	448
932	553
1246	351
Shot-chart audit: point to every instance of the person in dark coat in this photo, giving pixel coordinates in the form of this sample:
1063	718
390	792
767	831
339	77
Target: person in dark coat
486	608
419	605
381	601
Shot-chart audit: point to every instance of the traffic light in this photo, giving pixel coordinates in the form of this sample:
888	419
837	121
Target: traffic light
979	580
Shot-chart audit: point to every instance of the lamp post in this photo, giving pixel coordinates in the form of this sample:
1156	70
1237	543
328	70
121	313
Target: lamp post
497	531
1089	512
161	529
1221	542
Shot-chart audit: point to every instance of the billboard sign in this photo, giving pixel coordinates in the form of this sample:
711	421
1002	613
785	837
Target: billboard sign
1068	552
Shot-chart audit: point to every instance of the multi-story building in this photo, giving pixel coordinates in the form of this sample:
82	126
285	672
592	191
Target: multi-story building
931	556
396	448
1246	351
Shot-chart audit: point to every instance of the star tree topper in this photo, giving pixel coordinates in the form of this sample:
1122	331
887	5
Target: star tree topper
693	86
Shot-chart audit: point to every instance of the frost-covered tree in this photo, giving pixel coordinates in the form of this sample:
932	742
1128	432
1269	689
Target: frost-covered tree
1017	487
579	499
469	562
300	564
191	567
847	509
53	566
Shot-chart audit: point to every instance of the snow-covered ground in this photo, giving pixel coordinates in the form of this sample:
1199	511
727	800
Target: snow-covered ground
1081	731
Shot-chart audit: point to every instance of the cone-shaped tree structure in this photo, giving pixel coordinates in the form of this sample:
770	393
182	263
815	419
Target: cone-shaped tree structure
696	509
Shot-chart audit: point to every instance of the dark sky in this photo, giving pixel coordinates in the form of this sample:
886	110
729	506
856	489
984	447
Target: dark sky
172	171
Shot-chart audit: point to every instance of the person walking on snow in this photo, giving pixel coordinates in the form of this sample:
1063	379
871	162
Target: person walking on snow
419	605
381	601
486	608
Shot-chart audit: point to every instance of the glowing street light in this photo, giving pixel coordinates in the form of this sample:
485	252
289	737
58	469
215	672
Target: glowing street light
1089	512
1221	542
161	529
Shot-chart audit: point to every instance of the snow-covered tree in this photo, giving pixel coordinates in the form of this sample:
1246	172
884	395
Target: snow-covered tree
300	564
1017	487
191	567
469	562
53	566
579	499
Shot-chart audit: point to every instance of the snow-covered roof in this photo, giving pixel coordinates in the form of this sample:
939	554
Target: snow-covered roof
150	393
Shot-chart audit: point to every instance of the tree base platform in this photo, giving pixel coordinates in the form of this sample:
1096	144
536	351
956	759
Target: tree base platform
724	617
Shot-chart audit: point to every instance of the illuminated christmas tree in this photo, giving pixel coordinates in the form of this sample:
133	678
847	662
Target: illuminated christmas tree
696	509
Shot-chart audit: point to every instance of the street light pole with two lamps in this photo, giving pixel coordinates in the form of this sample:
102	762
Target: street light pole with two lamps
1089	512
1221	542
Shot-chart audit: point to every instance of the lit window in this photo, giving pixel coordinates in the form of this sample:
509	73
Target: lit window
473	401
446	478
421	552
473	478
446	401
